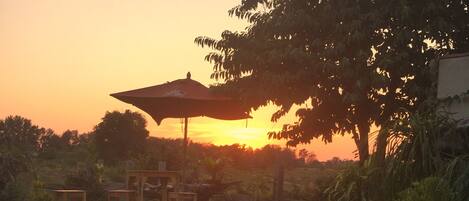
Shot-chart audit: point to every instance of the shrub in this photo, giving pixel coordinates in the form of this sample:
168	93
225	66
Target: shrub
88	178
428	189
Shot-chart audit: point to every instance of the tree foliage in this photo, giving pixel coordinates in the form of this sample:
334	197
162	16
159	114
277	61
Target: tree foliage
18	144
18	132
23	149
351	63
69	161
119	135
52	143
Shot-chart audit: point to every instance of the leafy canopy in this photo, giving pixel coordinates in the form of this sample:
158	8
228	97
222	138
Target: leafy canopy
18	145
119	135
353	62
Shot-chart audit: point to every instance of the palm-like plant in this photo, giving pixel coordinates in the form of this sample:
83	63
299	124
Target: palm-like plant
457	173
416	148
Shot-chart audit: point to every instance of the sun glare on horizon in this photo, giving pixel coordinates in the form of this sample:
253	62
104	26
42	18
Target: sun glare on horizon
218	132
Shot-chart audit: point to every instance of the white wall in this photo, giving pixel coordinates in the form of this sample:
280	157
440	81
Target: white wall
453	79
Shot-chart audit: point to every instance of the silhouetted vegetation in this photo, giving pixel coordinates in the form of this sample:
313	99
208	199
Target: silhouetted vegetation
35	159
347	64
417	161
417	166
120	135
354	63
350	65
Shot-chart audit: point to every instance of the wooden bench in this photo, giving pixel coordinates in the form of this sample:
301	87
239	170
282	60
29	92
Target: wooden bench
119	195
182	196
70	195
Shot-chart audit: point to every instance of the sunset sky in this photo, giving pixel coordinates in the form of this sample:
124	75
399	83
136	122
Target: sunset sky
60	60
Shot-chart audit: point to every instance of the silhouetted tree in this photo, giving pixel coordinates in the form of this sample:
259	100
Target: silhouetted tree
51	143
354	62
273	155
70	138
306	156
120	134
18	144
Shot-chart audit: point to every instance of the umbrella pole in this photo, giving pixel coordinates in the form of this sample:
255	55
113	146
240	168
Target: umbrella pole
184	150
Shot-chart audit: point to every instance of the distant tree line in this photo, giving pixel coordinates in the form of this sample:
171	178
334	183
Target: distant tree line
121	140
121	136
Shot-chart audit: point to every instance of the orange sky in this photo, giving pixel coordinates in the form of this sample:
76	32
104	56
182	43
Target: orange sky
59	60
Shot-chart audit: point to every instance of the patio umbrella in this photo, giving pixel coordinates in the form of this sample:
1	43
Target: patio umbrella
182	98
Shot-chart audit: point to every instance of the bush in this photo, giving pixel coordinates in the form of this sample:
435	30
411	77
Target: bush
13	191
115	173
354	183
39	194
88	178
457	175
428	189
25	187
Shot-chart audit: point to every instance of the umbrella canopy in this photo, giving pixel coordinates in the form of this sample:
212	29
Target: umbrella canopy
181	99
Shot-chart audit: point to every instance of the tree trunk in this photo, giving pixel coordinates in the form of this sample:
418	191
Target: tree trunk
364	154
381	143
363	148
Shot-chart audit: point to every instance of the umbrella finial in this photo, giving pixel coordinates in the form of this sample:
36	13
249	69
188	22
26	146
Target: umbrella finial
188	76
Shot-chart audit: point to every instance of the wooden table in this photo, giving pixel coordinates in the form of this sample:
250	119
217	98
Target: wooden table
140	177
70	195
